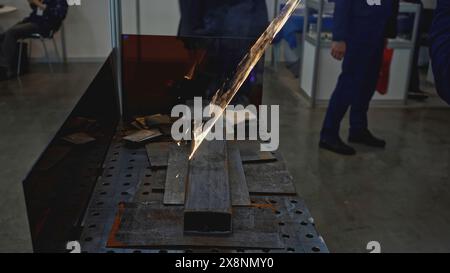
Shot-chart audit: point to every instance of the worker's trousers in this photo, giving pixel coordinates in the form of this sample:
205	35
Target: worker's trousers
355	88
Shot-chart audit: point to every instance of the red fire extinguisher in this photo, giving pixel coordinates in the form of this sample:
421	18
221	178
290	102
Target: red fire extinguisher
383	81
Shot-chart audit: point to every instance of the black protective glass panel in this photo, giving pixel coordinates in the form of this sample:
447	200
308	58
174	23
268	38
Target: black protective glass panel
161	71
213	37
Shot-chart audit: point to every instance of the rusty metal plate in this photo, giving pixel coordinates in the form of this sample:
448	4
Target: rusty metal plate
239	190
177	171
269	179
158	154
251	152
156	226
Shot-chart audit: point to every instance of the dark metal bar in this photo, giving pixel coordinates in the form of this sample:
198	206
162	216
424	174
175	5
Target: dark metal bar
208	198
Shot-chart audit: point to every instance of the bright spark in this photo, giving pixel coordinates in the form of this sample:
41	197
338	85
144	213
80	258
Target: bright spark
223	98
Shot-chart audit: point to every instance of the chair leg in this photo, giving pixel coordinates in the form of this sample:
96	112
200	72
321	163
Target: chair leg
19	61
56	48
47	55
30	47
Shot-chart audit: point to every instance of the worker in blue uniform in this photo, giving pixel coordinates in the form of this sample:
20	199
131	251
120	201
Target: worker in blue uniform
359	37
440	48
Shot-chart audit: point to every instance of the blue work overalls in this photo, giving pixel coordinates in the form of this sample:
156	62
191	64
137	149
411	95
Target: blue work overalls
363	25
440	48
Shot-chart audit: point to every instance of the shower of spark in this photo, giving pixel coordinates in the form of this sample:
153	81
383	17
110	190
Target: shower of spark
224	97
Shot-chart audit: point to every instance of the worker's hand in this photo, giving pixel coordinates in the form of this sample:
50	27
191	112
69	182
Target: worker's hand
338	50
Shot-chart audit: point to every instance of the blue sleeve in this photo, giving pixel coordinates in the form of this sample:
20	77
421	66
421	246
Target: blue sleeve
341	21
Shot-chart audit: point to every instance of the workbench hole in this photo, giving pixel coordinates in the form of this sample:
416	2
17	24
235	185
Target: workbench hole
92	226
132	160
106	184
303	223
281	224
109	175
277	212
146	184
294	202
148	175
103	193
126	184
299	212
315	249
100	203
130	168
286	236
310	236
124	193
95	214
273	201
145	193
128	175
291	249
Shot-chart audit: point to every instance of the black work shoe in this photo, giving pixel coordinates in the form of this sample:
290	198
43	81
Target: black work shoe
337	146
365	137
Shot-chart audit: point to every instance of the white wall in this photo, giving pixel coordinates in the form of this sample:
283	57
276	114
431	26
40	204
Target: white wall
86	27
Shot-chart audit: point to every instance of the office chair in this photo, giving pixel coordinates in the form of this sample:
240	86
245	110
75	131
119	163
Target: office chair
43	39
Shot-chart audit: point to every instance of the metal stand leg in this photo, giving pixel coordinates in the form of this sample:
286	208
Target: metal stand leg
56	48
46	54
19	61
30	47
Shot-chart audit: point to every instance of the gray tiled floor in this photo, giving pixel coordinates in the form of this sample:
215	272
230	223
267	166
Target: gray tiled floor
399	196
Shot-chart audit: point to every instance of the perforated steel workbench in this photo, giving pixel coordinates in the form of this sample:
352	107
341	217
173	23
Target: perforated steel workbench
126	215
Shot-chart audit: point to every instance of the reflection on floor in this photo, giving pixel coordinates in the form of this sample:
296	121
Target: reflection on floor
399	197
